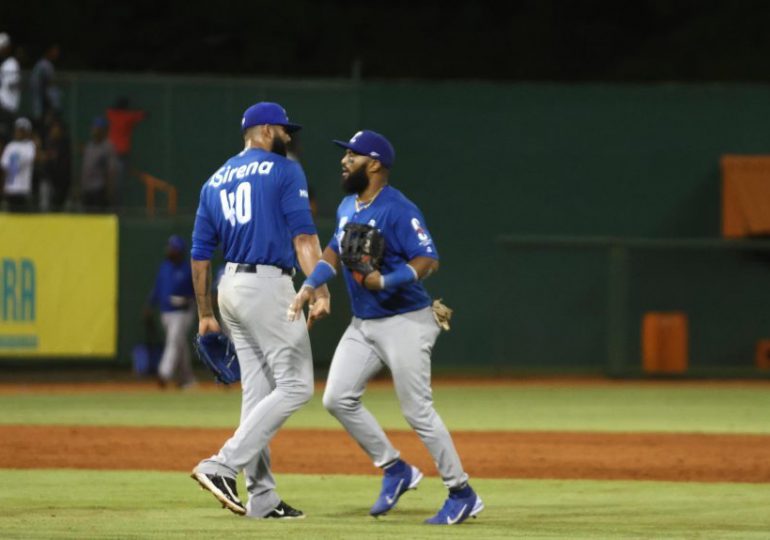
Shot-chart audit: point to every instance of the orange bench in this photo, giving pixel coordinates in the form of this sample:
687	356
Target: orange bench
745	196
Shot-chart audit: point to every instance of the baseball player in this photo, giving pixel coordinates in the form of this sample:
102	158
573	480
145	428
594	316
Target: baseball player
256	207
173	295
393	325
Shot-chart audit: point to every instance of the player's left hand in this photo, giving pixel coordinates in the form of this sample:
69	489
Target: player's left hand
320	307
373	281
207	325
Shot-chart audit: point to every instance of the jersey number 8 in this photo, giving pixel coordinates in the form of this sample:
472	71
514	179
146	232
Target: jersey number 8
237	206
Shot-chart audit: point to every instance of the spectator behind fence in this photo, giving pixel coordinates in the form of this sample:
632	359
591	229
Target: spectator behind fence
97	181
123	119
10	89
57	159
45	93
18	164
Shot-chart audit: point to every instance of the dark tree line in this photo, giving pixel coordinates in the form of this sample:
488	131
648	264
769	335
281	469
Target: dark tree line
567	40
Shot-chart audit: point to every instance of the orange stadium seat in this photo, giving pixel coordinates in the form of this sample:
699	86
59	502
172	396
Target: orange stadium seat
762	356
665	342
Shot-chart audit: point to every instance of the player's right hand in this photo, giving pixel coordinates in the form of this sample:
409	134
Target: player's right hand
294	311
206	325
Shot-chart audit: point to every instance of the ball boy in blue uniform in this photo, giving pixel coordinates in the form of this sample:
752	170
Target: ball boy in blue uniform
172	294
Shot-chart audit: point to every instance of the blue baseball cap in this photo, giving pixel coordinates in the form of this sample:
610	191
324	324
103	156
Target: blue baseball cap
371	144
266	112
177	242
100	122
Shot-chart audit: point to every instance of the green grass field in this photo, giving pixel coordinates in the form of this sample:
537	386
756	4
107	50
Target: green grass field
626	407
87	504
141	504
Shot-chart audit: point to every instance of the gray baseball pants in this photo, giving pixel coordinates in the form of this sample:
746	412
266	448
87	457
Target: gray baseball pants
175	362
276	376
404	344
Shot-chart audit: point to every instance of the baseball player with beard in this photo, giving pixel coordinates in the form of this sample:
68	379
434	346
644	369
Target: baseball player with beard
393	325
256	206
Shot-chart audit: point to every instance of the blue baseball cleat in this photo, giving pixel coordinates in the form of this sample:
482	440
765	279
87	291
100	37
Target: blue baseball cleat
399	478
457	508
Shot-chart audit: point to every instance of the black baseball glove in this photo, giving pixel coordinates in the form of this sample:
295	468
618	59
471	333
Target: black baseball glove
361	248
217	352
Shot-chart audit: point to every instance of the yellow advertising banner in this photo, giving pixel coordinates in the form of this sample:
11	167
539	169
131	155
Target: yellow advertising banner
58	285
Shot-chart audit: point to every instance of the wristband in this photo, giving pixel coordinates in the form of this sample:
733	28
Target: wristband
322	273
400	276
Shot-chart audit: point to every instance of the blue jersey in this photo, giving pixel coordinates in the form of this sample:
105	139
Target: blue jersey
406	236
173	290
254	205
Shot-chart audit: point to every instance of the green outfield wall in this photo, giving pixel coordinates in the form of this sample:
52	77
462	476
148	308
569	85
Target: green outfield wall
485	161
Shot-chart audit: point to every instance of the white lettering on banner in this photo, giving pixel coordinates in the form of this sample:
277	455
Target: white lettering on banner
226	174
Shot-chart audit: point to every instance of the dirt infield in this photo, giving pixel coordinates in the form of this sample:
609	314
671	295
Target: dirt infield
560	455
504	454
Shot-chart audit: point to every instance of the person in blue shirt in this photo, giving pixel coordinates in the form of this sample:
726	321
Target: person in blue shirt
256	207
173	295
393	325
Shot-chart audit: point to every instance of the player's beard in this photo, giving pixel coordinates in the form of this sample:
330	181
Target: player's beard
356	182
279	147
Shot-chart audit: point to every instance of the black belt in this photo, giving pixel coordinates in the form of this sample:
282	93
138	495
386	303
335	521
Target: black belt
252	269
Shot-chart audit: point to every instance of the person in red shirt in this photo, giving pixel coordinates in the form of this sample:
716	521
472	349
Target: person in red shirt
123	119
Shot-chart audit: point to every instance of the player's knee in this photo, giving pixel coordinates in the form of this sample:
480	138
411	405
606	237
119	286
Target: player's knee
331	401
296	392
304	392
418	416
337	403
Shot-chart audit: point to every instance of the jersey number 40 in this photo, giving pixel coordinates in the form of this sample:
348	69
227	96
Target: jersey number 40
237	206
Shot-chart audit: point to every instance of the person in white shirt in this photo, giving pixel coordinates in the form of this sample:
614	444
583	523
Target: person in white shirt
10	88
17	163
